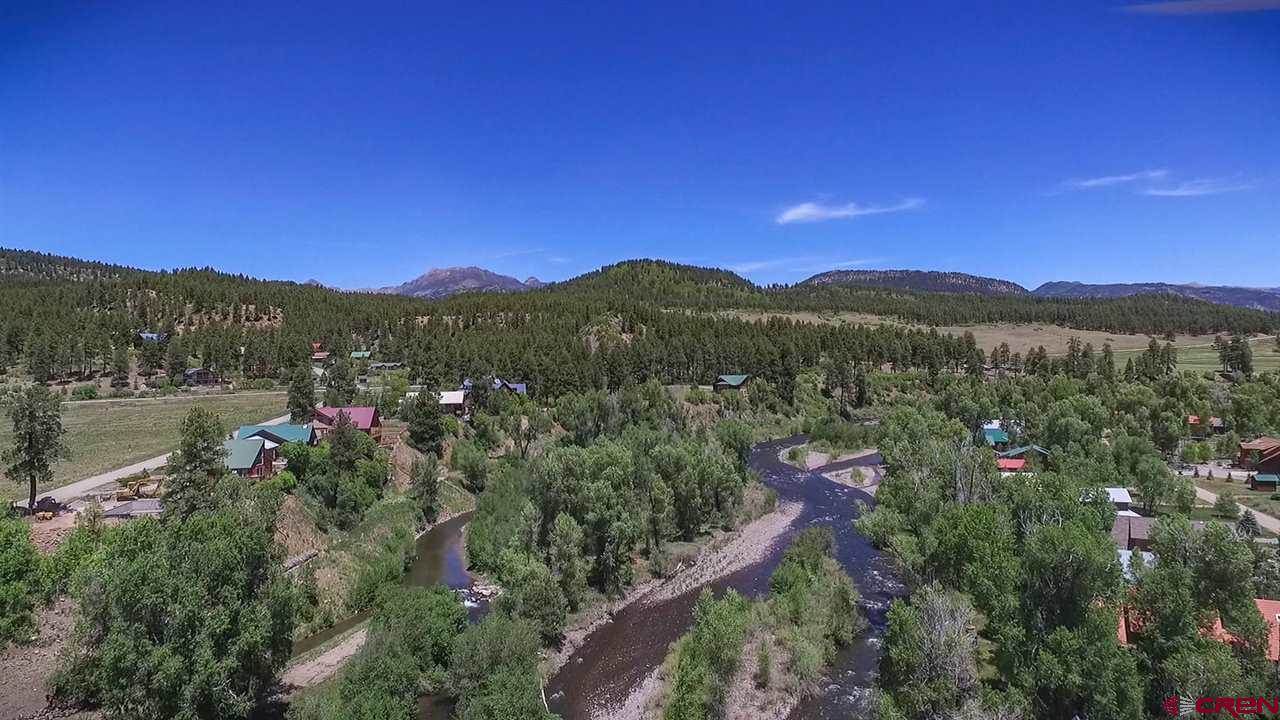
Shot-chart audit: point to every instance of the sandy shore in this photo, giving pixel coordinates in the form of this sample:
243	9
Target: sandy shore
325	665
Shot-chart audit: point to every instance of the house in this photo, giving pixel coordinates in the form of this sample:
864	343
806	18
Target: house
249	458
453	401
1198	428
1265	482
996	438
365	419
1119	497
361	354
279	434
518	388
318	353
1132	533
151	337
725	383
1255	452
1130	623
200	376
1011	465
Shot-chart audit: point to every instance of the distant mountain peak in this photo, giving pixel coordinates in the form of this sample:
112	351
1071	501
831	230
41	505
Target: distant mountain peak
446	281
919	281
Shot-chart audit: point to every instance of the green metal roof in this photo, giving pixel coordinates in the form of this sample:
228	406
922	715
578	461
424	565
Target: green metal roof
278	433
1267	478
361	354
243	454
995	436
734	380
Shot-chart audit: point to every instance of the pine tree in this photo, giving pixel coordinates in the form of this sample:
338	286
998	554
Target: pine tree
198	463
37	438
302	395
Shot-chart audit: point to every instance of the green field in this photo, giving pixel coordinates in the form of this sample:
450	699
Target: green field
1200	359
107	434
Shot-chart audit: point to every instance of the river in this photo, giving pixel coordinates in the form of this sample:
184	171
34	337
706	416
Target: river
617	657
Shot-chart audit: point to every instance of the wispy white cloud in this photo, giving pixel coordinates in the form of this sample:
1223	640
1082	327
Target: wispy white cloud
809	212
1202	7
797	264
1113	180
516	253
1198	188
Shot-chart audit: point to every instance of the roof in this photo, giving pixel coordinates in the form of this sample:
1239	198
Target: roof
1118	495
361	416
995	437
1267	478
361	354
732	380
243	454
1022	450
283	433
1011	464
320	355
1127	529
135	508
453	397
1262	443
1270	611
1126	561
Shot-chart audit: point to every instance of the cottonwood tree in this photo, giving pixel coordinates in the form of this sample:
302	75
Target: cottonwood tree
37	439
426	423
424	485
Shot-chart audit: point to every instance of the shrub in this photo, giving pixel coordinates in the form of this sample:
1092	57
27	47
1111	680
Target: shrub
85	392
19	567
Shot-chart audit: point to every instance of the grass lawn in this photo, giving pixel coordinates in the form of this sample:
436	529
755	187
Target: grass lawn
104	435
1260	501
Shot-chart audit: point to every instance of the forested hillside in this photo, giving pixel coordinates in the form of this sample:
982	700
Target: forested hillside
64	318
919	280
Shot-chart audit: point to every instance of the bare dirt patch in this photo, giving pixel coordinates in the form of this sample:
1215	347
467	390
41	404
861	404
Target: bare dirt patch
296	531
25	669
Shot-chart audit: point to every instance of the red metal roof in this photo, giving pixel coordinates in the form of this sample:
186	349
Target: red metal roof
1011	464
362	417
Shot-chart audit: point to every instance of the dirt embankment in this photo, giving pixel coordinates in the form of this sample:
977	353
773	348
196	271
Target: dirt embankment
296	531
724	555
25	669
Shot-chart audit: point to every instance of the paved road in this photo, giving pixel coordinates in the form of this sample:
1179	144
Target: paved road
111	478
1267	522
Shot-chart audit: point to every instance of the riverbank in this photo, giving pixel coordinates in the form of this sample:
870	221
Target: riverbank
726	553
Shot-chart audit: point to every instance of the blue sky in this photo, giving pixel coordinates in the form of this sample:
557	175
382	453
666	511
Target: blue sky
362	143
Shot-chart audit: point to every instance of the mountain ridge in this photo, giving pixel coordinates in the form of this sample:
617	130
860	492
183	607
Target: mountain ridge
443	282
919	281
1243	297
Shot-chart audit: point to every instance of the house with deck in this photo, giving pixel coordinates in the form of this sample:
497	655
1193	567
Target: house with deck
249	458
1262	455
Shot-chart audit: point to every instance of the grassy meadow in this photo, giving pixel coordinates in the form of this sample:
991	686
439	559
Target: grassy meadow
106	434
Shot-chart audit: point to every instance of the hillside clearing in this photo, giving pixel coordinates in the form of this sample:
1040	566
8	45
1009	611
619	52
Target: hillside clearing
1193	350
104	435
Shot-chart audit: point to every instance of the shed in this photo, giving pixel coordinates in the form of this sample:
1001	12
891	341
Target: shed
454	401
1266	482
1119	497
